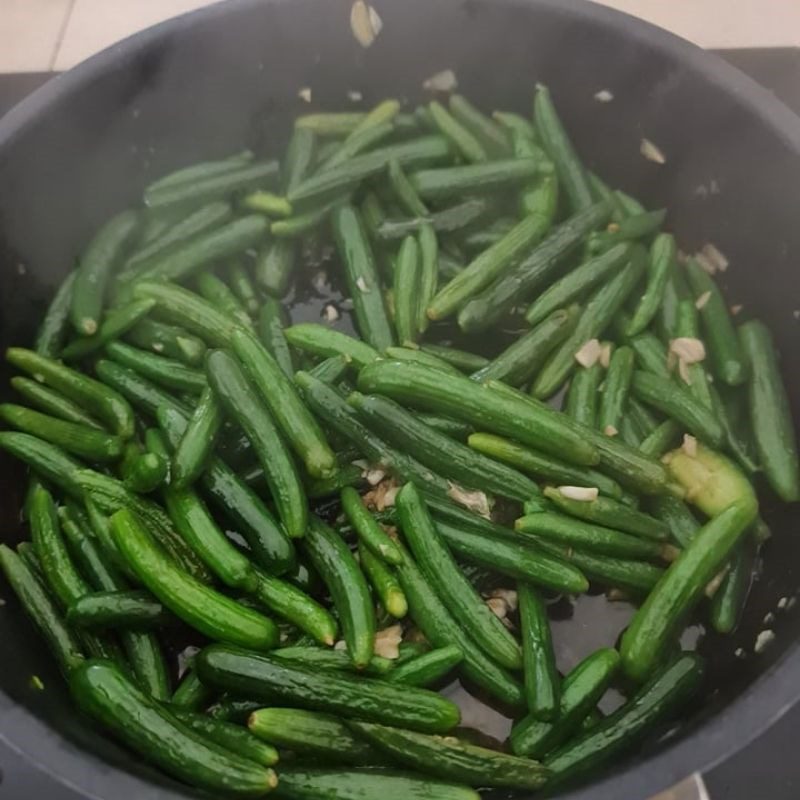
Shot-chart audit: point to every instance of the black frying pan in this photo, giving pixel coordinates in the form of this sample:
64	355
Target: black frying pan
208	83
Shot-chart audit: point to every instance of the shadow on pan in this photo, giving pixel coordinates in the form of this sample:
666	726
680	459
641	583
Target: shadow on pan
208	83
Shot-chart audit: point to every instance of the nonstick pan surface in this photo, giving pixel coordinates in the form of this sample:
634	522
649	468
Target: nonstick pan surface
208	83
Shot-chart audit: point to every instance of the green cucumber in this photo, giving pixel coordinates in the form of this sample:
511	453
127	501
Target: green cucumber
53	328
51	402
666	692
280	395
197	443
271	679
384	583
311	733
427	668
302	783
107	610
320	340
452	759
167	340
271	332
102	692
583	686
332	559
241	400
542	682
441	453
369	531
201	607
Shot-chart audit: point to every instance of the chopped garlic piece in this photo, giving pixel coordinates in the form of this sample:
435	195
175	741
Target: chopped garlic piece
365	23
688	349
508	596
701	301
354	96
764	640
603	96
374	476
610	430
605	355
330	313
736	309
585	494
498	606
362	285
473	500
714	256
689	445
651	152
305	94
589	352
444	81
387	641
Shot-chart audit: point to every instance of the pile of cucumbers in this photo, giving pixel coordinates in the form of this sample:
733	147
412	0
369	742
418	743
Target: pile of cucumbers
347	523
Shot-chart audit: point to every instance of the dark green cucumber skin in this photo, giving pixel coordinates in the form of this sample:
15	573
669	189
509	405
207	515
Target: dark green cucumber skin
210	186
95	397
141	393
453	760
384	583
302	783
169	372
333	409
575	284
440	452
271	547
110	609
542	466
638	576
651	629
726	357
449	182
598	312
45	459
42	610
679	404
280	395
53	327
582	395
181	307
295	606
240	399
556	141
420	356
204	218
581	689
270	679
616	388
191	694
729	600
111	495
102	692
443	574
513	557
440	629
427	668
323	186
333	560
542	682
310	732
464	399
666	691
95	266
362	278
199	530
325	658
460	359
622	463
593	538
205	609
141	648
367	527
611	514
517	363
271	331
51	402
232	737
517	285
322	341
770	413
167	340
195	447
84	442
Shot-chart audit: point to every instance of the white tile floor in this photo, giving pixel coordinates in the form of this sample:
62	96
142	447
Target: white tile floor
57	34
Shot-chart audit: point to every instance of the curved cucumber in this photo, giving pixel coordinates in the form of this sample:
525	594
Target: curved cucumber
103	692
